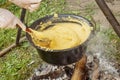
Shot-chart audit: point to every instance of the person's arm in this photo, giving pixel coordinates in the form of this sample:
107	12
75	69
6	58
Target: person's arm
30	5
8	20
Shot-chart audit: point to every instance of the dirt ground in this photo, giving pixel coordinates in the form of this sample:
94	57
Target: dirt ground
101	42
82	6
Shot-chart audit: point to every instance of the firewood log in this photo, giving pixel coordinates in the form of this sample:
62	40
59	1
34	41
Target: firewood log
95	74
80	69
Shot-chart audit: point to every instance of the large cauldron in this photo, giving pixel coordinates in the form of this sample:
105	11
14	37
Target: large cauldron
59	57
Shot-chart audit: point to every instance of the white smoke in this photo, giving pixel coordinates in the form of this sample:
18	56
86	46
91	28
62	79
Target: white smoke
100	46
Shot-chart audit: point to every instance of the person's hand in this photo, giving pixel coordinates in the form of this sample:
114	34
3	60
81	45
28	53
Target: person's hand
31	5
8	20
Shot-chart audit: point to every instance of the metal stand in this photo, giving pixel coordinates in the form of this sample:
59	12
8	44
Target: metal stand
22	18
109	15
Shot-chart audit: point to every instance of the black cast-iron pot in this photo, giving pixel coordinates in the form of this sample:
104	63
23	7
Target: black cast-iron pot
59	57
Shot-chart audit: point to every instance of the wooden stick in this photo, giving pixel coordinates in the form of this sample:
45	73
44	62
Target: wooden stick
80	69
95	74
4	51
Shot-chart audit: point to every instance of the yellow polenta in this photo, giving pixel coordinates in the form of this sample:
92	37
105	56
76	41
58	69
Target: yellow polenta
62	36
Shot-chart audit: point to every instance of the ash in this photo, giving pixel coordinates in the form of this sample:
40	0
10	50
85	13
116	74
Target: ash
49	72
93	71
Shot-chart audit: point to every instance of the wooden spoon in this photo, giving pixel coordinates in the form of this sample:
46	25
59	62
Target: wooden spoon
36	36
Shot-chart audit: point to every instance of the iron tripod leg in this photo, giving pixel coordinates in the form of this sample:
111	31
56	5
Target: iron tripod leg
22	18
109	16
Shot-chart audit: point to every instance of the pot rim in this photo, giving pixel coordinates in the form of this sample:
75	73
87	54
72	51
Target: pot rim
62	15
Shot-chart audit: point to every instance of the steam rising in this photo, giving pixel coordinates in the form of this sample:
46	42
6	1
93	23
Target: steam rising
100	46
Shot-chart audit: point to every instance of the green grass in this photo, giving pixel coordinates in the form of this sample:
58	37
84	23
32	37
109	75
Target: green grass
20	62
15	65
113	47
47	7
7	37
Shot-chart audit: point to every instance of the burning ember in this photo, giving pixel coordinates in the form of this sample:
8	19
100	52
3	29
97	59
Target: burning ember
86	69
